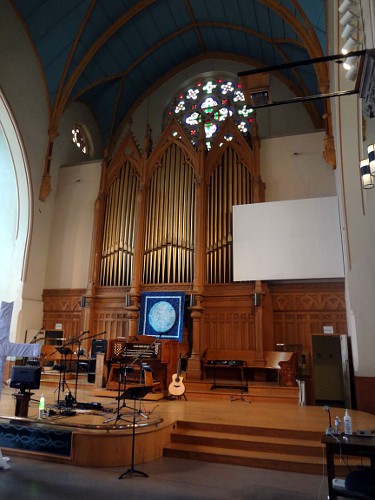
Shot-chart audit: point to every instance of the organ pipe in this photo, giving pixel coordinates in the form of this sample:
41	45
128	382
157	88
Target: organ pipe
230	184
170	212
119	224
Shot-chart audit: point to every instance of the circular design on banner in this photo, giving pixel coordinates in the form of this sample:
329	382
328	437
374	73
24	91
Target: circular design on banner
162	316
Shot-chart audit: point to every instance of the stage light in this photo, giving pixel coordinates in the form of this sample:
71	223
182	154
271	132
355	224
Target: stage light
345	5
367	179
352	73
350	63
371	158
346	18
347	31
349	45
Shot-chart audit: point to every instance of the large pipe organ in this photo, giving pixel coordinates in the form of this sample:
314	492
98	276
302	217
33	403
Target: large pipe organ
163	221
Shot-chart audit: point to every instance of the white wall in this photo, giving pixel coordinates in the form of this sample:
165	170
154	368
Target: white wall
22	83
71	234
357	210
293	168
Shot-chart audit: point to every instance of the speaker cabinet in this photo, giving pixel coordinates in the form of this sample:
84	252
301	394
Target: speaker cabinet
99	345
331	370
91	370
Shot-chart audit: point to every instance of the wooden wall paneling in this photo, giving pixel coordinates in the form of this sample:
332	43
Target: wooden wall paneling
227	330
113	322
365	394
63	306
228	318
301	310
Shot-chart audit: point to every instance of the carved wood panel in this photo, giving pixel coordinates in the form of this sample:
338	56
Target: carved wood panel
63	306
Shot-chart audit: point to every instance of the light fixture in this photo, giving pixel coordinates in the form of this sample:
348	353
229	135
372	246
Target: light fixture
347	31
344	6
350	63
349	45
256	88
352	73
367	179
347	17
371	158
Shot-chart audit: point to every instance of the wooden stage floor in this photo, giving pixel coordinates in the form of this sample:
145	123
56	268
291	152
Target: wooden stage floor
97	443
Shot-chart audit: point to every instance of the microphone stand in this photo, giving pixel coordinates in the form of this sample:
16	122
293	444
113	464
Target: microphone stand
33	341
79	353
65	350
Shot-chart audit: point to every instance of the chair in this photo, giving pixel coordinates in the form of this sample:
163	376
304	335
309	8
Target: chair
149	378
362	481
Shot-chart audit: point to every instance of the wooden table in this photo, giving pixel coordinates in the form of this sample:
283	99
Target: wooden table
357	446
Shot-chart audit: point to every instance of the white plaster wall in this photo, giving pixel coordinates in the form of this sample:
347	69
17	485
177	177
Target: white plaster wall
71	234
293	168
22	83
357	209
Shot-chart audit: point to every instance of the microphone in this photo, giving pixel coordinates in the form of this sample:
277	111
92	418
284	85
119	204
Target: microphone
329	429
83	333
38	333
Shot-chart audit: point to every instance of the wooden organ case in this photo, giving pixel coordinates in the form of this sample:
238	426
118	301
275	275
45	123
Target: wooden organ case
160	354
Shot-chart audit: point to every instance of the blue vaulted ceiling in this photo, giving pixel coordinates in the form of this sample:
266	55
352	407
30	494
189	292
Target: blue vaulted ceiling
109	54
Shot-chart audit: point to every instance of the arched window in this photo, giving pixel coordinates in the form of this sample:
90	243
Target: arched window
208	103
80	138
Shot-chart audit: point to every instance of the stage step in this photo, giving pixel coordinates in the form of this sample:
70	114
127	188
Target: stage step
259	392
277	449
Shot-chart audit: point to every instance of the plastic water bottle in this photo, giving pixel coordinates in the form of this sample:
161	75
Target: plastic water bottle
337	425
41	406
348	423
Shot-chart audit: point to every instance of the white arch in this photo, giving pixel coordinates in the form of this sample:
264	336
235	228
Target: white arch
15	211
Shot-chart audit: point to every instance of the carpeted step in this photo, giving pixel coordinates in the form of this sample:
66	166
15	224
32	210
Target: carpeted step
267	448
286	446
259	459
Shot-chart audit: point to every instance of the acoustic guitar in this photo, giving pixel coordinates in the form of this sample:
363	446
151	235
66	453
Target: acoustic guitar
176	387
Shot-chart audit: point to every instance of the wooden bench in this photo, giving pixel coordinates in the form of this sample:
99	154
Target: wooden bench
284	364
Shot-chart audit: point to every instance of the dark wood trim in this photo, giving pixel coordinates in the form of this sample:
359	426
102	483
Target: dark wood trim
365	394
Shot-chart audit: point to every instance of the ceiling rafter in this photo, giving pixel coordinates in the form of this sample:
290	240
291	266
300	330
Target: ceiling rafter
71	54
195	24
296	90
79	50
95	47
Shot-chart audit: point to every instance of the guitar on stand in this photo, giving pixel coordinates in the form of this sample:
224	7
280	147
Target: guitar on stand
177	387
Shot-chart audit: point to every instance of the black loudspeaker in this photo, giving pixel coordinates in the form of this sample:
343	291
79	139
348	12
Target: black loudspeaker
91	370
25	377
99	345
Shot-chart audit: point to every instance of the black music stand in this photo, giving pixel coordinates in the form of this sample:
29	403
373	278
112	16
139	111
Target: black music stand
120	396
243	386
134	393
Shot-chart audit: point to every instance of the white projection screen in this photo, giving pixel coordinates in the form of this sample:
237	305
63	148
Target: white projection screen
287	240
